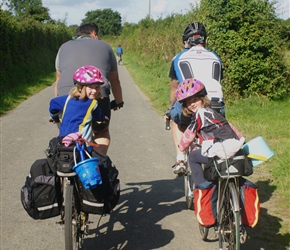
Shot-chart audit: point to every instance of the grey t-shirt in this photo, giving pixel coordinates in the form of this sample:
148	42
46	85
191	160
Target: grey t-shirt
84	51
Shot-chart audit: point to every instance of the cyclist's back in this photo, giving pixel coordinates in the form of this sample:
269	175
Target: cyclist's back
200	63
119	50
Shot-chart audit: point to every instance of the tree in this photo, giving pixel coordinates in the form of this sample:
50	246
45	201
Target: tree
29	9
246	34
108	21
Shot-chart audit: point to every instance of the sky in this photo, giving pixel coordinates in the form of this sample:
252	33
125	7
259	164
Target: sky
131	11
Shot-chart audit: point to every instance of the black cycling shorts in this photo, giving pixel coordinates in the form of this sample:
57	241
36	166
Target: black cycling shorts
105	106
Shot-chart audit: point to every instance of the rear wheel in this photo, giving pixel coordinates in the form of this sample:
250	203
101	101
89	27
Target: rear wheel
229	219
72	221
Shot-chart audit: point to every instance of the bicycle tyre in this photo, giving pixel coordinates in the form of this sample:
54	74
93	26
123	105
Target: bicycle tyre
229	219
237	216
72	221
203	232
188	190
68	216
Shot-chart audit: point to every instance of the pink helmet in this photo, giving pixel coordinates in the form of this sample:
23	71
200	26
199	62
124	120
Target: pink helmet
188	88
87	75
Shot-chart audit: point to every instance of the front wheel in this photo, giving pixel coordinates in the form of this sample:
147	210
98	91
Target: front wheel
188	189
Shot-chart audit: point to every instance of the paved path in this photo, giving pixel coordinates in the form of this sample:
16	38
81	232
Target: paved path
151	213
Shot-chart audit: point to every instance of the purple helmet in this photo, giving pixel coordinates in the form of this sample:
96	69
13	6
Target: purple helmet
188	88
87	75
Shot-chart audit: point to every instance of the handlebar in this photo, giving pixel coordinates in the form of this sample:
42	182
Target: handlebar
168	118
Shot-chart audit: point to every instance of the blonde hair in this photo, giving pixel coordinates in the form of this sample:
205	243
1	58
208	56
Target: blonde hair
79	92
205	102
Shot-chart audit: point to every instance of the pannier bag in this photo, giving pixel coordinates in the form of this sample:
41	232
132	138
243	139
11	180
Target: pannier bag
250	204
238	165
103	198
41	195
60	157
205	203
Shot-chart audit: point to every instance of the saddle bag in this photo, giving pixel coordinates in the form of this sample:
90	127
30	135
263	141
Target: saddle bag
250	204
238	165
103	198
41	195
205	203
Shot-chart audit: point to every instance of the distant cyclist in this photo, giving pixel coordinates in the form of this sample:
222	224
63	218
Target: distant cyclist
195	61
119	52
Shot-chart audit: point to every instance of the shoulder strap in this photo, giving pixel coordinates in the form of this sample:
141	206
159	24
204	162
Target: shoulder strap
64	108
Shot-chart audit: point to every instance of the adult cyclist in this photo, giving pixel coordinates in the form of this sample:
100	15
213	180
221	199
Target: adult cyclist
119	52
195	61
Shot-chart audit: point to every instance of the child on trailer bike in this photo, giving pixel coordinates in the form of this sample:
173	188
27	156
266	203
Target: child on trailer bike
206	124
79	108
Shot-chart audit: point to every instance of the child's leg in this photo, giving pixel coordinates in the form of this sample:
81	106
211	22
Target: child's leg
195	161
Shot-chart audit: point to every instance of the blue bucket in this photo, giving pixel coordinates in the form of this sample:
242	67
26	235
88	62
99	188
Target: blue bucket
89	173
258	150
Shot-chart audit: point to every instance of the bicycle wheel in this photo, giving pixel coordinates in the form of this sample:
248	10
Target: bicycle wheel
203	232
72	221
188	189
229	218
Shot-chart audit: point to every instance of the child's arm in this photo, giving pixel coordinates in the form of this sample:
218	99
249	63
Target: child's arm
56	105
187	138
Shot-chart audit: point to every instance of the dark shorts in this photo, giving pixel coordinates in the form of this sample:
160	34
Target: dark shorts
175	112
105	106
178	117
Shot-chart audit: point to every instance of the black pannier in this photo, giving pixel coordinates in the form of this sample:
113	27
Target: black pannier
41	195
103	198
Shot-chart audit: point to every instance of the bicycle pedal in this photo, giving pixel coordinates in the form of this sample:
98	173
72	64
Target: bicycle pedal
243	235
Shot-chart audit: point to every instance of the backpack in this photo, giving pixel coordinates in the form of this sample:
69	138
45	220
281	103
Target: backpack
250	204
59	157
41	194
205	203
103	198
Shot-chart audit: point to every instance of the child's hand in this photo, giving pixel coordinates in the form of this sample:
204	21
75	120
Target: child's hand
54	120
